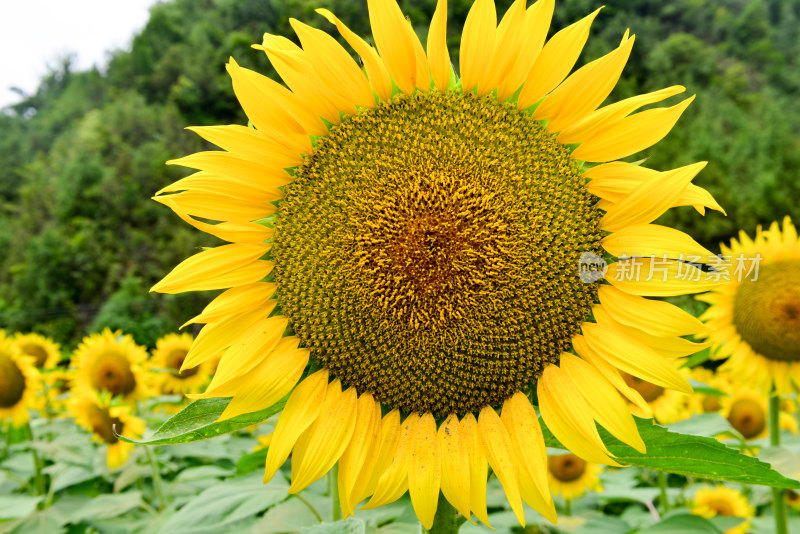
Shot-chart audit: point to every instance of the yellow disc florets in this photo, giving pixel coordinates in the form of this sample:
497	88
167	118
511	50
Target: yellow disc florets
426	252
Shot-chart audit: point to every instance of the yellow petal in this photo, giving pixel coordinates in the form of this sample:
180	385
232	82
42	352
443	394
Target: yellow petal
569	417
301	411
373	64
425	469
650	199
509	38
438	54
360	456
628	135
478	468
523	428
609	372
423	76
607	406
633	357
394	481
234	232
584	90
655	277
394	42
221	267
555	61
249	143
534	32
235	300
655	317
499	450
455	465
653	239
269	382
334	64
249	350
390	431
326	439
220	334
217	207
229	165
477	44
233	189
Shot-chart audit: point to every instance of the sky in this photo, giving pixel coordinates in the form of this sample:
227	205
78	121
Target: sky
36	33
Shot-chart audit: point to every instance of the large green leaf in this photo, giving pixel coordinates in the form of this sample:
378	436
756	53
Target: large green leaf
689	455
198	421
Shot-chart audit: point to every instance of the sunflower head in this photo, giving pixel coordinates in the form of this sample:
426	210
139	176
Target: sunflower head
418	235
721	500
106	419
571	476
20	383
110	362
755	316
43	350
664	404
168	357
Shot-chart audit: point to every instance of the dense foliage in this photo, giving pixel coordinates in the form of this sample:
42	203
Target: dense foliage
81	156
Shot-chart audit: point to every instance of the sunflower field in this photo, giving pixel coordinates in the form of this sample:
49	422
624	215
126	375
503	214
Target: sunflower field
418	266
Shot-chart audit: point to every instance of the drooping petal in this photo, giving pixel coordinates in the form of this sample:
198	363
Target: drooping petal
394	481
569	417
455	465
425	469
300	412
499	450
390	431
321	445
478	468
605	402
360	456
523	428
555	61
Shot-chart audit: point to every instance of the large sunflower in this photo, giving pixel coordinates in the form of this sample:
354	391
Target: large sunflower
168	358
110	362
20	383
418	237
723	501
97	415
755	316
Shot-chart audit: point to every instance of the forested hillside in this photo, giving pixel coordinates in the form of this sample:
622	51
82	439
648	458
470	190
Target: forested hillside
82	242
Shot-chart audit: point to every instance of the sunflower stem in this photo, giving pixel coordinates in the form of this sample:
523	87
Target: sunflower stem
333	490
156	479
309	506
38	481
662	484
447	519
567	507
778	501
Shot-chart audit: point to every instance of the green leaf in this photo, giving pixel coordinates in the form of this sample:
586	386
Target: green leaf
351	526
682	524
108	506
198	421
688	455
17	506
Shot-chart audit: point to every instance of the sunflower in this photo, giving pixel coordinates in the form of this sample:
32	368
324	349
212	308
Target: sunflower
110	362
20	383
168	358
754	318
98	415
571	476
723	501
702	403
44	350
664	405
419	238
747	412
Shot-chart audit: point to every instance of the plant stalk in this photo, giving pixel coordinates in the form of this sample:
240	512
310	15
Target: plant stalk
447	519
662	484
778	497
333	490
38	481
162	502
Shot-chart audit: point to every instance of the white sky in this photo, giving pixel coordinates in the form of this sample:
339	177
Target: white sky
35	33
